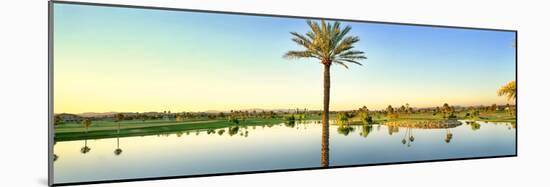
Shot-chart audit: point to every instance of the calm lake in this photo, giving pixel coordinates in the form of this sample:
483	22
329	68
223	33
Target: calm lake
272	147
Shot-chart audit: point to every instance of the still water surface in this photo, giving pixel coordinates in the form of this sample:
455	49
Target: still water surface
272	147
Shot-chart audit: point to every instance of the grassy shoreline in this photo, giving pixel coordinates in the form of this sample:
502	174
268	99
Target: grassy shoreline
109	129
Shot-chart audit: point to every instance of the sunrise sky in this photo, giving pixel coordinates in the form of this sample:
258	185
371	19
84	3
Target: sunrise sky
109	59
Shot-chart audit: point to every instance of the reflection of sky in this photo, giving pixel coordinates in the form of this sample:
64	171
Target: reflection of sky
125	59
266	148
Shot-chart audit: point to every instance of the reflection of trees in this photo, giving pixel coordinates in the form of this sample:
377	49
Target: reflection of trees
118	151
233	130
408	138
365	130
475	125
119	117
290	123
221	131
87	123
210	131
393	129
85	149
448	136
55	157
345	129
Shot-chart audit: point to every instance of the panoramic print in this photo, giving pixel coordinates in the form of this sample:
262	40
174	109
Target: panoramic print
146	93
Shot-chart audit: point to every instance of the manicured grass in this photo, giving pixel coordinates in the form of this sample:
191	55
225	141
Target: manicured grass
109	129
105	129
499	116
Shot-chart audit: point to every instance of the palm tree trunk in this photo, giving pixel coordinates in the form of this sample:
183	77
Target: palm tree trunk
325	132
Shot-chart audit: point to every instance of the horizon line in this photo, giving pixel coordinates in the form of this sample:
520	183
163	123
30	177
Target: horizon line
280	109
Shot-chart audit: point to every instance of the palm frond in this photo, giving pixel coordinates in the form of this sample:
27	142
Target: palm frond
353	55
350	61
339	36
508	90
301	40
314	27
299	54
328	42
345	44
341	63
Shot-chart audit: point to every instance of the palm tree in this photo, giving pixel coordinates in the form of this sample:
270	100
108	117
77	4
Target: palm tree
119	117
86	122
329	44
508	90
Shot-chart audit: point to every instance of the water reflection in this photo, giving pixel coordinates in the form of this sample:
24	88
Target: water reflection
408	138
393	130
233	130
474	125
366	129
279	146
345	129
118	151
448	136
85	149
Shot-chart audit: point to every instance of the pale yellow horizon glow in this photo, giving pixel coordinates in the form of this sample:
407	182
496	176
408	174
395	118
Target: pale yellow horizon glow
157	88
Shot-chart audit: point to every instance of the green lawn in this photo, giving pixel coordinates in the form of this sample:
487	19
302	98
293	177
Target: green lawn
109	129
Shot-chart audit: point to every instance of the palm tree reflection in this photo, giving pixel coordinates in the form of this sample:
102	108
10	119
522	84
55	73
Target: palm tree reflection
449	136
408	138
85	149
118	151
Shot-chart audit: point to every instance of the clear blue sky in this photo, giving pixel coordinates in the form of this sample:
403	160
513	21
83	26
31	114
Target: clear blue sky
125	59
